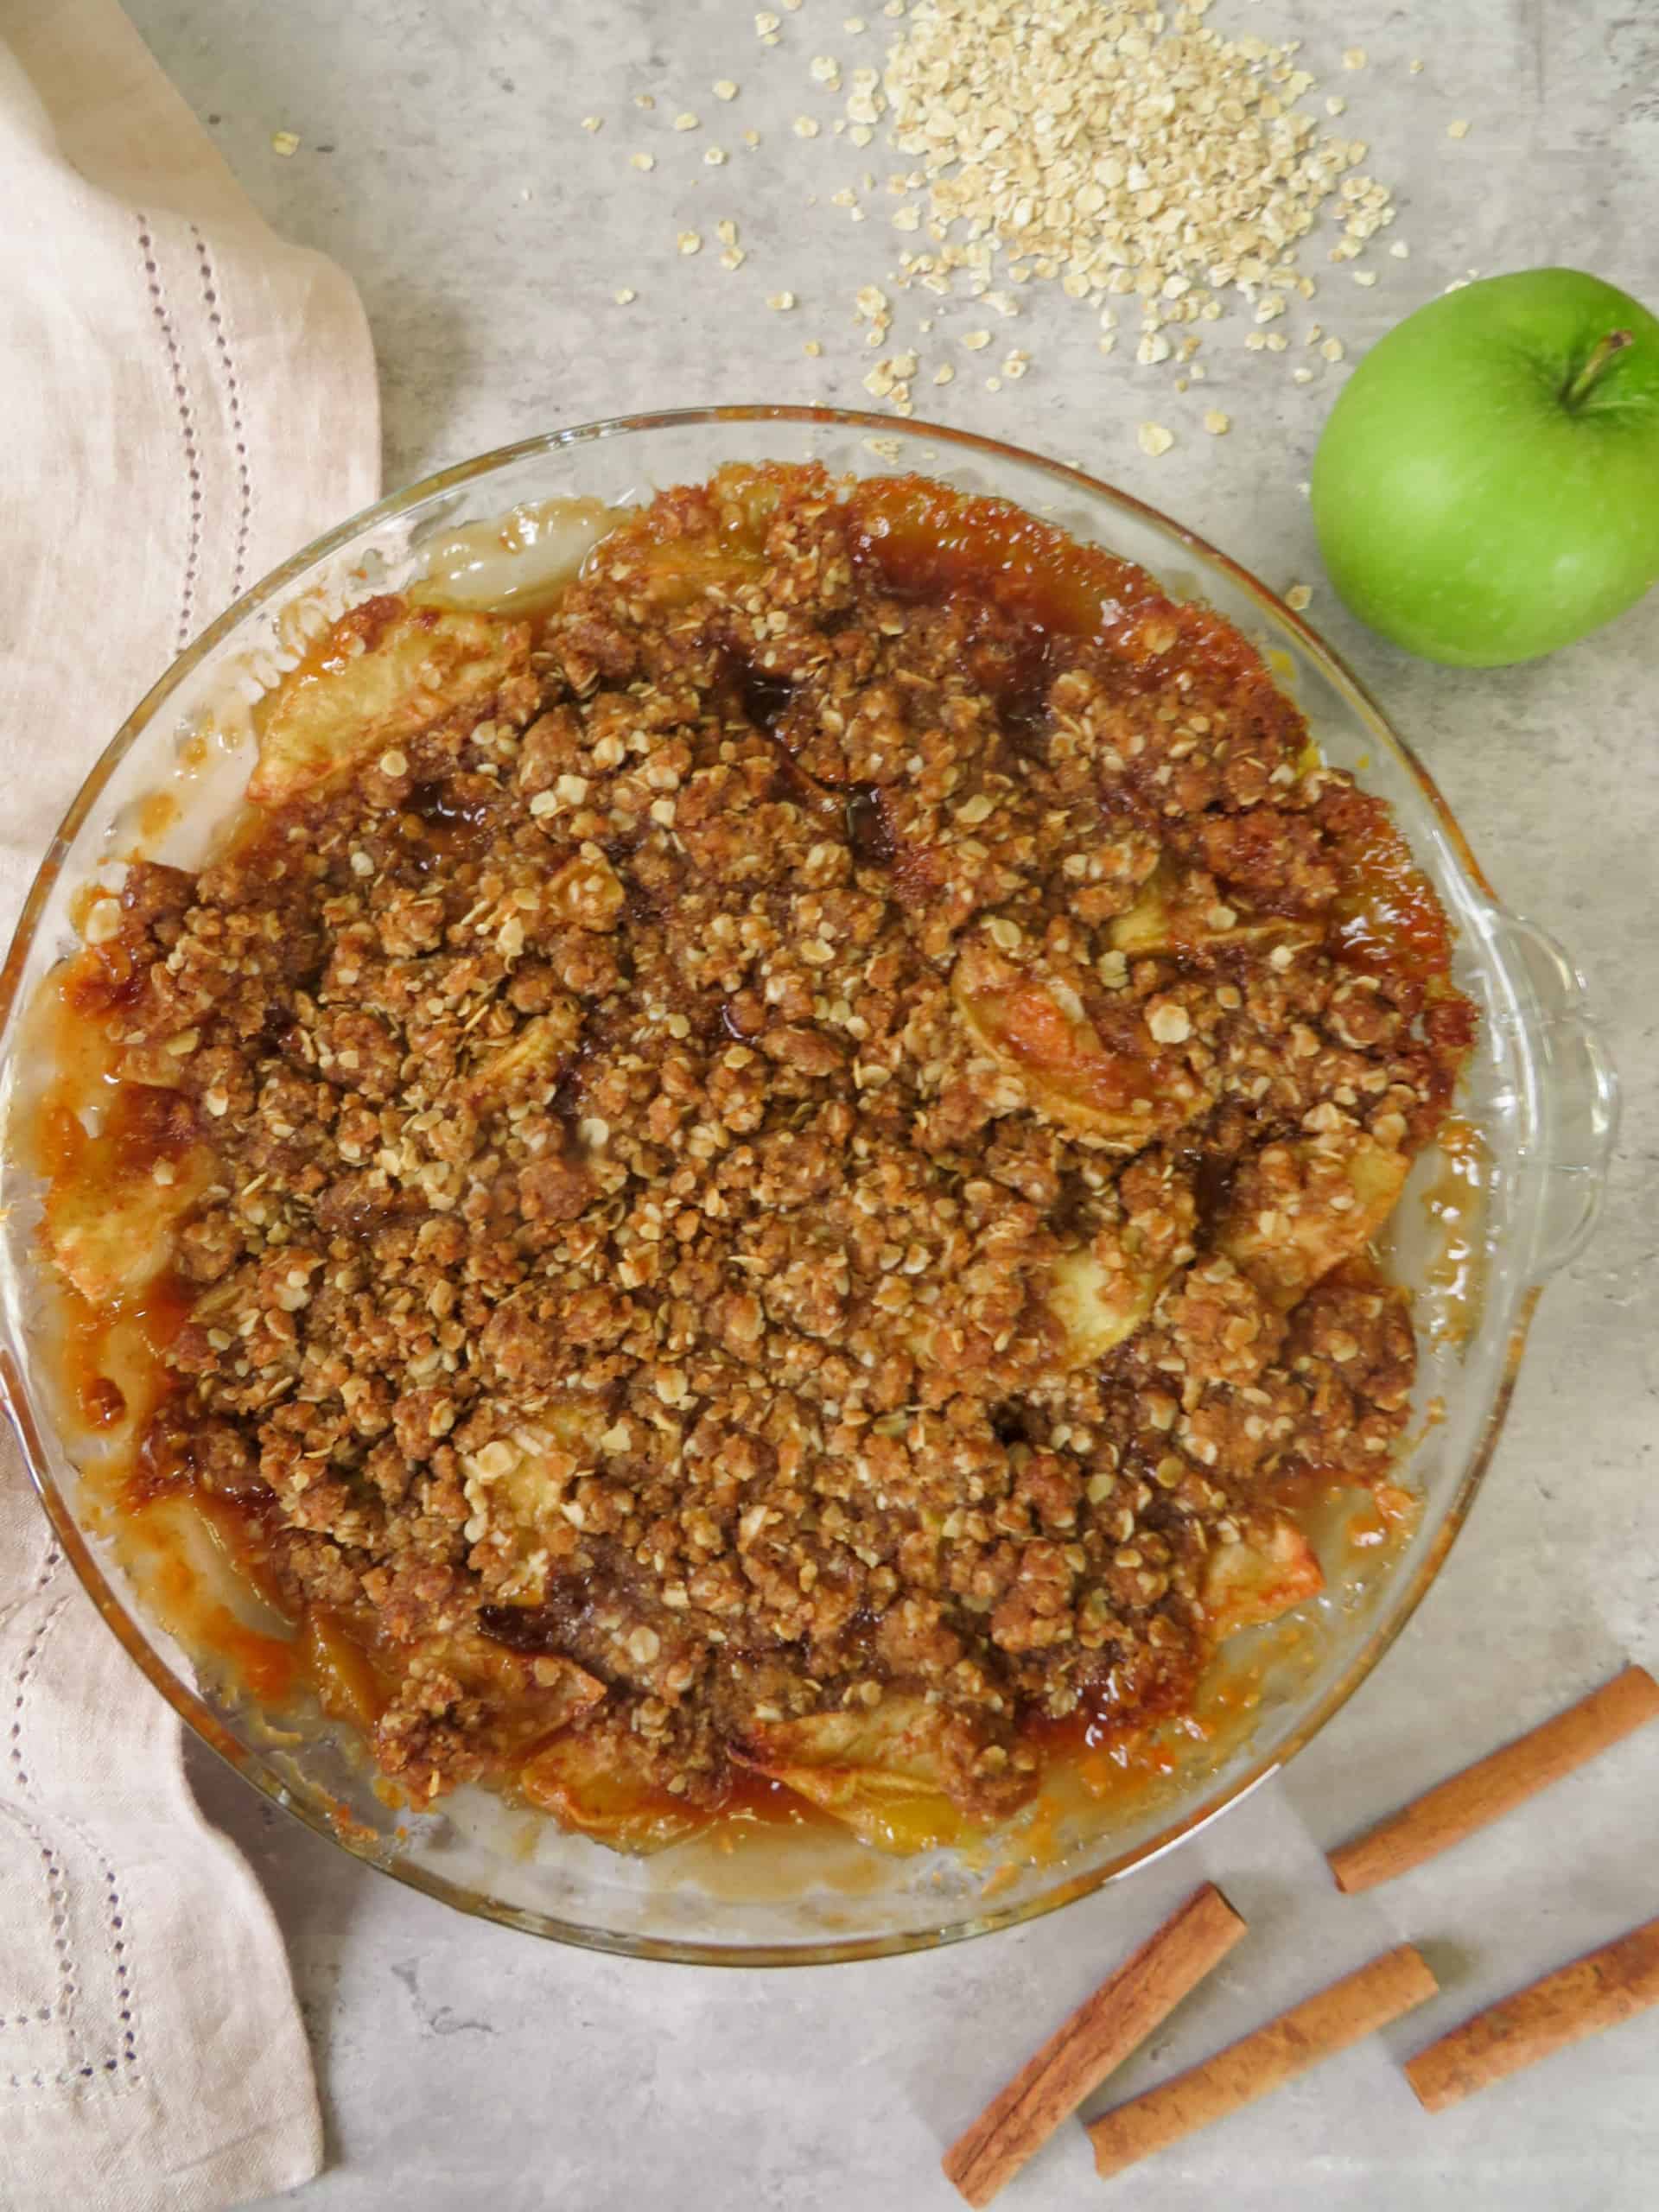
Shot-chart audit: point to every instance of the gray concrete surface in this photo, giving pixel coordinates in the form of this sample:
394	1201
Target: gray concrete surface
464	2066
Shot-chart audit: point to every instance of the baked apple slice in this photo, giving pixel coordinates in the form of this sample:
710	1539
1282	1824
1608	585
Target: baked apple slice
111	1229
1169	917
884	1774
1259	1579
1101	1294
386	671
596	1780
1066	1068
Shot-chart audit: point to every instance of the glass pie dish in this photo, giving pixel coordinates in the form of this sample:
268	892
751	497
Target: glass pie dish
1507	1195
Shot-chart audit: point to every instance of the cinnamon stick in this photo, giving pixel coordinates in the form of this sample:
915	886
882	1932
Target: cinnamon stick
1099	2036
1317	2028
1495	1785
1596	1992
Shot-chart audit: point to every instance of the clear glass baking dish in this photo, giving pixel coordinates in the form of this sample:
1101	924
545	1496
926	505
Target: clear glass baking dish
1539	1110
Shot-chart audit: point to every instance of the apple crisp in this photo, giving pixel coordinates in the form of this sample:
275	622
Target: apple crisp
768	1171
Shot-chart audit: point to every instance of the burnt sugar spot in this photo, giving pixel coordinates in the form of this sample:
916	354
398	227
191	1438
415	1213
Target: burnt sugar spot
765	695
869	828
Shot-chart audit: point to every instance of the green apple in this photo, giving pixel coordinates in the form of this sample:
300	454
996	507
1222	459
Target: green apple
1487	487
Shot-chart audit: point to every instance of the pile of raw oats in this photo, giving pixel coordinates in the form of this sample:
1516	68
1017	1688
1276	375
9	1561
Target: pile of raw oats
1155	168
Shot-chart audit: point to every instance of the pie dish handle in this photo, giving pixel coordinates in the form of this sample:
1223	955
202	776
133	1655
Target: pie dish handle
1570	1122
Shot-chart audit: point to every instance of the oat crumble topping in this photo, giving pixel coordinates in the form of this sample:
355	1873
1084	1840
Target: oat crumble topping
769	1171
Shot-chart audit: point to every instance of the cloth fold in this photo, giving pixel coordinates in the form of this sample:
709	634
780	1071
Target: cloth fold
186	399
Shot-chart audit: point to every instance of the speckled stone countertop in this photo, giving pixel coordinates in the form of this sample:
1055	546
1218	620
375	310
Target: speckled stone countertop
442	162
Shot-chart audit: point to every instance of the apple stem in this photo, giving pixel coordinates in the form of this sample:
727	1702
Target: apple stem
1607	350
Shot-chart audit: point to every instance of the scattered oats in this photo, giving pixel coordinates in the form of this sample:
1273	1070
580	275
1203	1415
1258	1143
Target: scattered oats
1333	349
824	69
645	100
1363	275
725	89
812	348
976	340
592	122
1335	105
715	157
806	126
1400	250
765	22
1415	66
1015	366
686	122
751	137
1154	439
1354	58
644	161
883	449
625	296
1301	376
1105	345
690	242
871	302
1457	129
1215	422
993	383
1299	596
284	143
852	24
780	302
726	231
733	257
943	373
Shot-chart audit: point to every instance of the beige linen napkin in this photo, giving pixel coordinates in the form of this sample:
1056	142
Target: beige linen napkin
184	400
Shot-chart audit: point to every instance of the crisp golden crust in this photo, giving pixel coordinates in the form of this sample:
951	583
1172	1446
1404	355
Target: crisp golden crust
795	1141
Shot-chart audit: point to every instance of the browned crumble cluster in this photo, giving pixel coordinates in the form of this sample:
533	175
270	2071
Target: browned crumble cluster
804	1151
